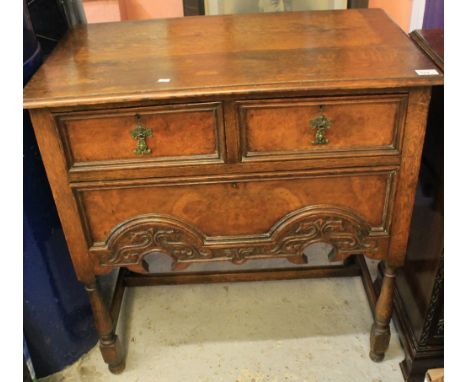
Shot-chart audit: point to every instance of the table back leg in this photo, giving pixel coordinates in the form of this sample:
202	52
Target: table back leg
380	332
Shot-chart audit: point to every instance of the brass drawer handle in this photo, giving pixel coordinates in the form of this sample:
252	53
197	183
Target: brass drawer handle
140	133
321	123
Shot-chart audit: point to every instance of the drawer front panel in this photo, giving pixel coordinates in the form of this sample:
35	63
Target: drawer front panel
237	208
177	134
359	125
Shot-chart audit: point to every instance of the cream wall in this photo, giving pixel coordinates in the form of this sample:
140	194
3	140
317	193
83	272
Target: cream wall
151	9
101	11
115	10
404	12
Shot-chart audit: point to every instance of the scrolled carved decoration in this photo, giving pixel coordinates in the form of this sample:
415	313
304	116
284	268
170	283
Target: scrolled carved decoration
433	327
131	241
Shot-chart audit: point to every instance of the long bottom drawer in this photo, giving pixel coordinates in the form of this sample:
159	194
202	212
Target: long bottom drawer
214	216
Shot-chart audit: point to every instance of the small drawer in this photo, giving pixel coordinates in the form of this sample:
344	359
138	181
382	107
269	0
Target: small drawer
159	135
321	127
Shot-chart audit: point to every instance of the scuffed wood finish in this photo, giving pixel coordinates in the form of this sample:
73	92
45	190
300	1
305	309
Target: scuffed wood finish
231	54
359	126
233	174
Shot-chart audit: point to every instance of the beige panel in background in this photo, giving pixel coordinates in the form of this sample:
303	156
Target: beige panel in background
218	7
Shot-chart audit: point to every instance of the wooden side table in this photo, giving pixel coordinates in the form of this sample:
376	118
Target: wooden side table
273	144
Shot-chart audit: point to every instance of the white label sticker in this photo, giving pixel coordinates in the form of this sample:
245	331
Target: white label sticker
164	80
427	72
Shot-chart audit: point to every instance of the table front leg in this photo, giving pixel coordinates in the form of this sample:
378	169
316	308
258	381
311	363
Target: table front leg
380	332
109	344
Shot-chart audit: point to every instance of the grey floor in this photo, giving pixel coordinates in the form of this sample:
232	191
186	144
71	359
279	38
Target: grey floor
299	330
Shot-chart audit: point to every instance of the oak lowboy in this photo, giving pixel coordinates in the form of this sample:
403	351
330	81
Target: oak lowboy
232	138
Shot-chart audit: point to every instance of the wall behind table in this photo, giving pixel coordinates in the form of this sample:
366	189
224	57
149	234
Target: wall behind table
98	11
399	11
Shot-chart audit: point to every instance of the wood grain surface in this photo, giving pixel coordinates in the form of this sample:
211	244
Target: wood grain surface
186	132
357	124
250	53
236	208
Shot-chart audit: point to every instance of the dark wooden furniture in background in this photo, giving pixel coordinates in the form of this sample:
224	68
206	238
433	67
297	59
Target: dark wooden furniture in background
194	7
270	146
357	4
419	297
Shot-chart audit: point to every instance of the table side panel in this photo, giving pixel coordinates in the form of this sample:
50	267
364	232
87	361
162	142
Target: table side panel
54	160
413	139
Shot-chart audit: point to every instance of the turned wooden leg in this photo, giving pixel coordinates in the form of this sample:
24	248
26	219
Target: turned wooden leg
111	348
380	332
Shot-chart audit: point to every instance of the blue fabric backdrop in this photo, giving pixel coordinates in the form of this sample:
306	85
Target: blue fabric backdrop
57	320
